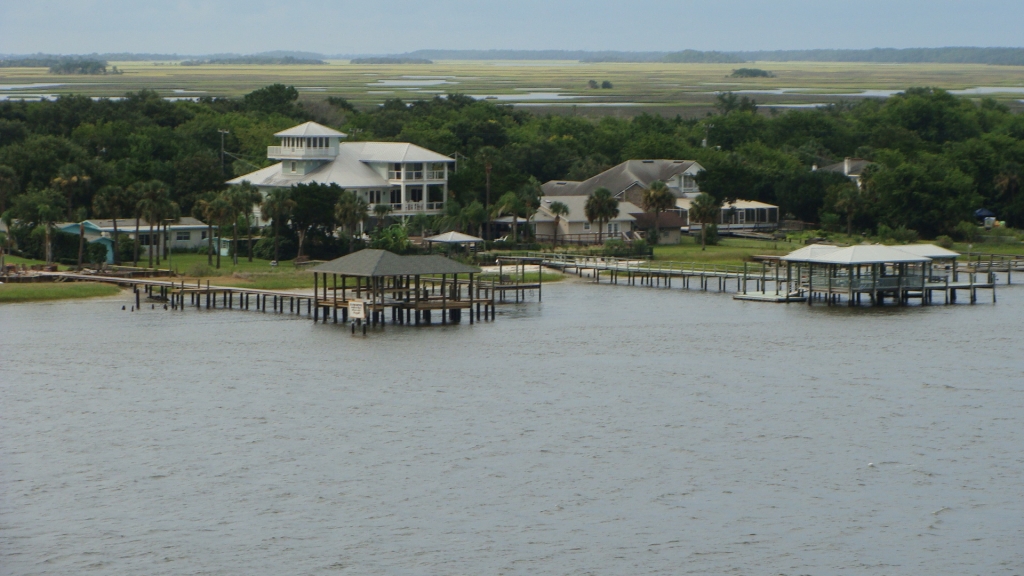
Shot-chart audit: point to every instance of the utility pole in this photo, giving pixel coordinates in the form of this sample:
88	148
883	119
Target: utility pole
222	133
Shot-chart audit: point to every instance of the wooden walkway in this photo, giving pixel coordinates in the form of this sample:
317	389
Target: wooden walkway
770	281
445	298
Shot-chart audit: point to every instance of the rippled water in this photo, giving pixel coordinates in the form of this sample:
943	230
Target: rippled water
609	430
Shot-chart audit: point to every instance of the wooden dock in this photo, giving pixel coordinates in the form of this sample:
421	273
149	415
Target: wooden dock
771	280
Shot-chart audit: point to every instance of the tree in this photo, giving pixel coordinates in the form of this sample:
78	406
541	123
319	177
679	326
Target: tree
657	199
558	209
704	210
487	156
202	209
274	99
846	198
41	209
154	203
530	194
73	182
8	186
113	202
220	210
243	197
381	211
134	194
601	207
351	211
277	206
473	216
314	209
510	203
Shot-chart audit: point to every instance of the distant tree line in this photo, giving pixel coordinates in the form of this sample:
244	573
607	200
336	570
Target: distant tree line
59	65
264	60
935	158
390	60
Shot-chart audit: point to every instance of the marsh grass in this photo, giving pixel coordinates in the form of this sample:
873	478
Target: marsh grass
42	291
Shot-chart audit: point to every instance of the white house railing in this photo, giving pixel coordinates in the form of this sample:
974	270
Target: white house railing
289	152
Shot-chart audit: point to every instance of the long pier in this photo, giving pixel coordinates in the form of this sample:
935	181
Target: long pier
770	281
445	297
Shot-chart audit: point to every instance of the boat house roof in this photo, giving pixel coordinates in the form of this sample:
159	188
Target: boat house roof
372	263
861	254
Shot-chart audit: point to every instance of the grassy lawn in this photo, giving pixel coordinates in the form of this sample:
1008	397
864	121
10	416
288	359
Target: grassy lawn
39	291
733	251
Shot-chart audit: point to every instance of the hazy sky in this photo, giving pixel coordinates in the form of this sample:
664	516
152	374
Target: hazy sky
387	26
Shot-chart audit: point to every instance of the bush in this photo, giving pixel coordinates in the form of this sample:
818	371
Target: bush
899	235
393	239
967	231
711	233
96	253
831	222
264	248
944	241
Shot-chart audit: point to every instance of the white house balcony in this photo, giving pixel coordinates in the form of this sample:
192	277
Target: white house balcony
411	208
293	153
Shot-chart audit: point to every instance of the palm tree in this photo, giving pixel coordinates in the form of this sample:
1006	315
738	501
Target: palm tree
601	207
70	179
277	206
247	195
381	211
42	208
221	211
112	202
473	217
510	203
134	199
704	210
351	211
201	211
8	186
154	202
558	209
846	199
657	199
487	155
240	200
530	193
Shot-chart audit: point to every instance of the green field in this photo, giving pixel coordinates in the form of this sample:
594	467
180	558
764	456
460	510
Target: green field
36	291
686	89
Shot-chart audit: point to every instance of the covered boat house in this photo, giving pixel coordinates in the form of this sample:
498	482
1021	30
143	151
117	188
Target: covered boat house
365	284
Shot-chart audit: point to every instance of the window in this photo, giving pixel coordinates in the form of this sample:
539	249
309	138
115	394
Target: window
182	236
586	225
203	235
613	227
373	197
293	167
395	171
143	239
689	182
414	171
435	171
396	196
416	194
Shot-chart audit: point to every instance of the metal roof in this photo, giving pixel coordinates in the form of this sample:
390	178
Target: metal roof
350	169
814	250
454	238
375	263
928	251
310	129
865	254
622	177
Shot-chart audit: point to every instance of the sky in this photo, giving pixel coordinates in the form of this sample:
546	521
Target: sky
394	26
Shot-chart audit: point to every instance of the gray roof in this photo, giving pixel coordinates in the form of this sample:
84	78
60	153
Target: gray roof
310	129
862	254
928	251
350	169
374	263
454	238
622	177
577	212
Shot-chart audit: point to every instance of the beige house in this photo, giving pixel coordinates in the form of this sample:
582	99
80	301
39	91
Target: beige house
740	215
574	228
628	180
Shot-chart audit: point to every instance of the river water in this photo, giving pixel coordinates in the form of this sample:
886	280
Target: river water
609	430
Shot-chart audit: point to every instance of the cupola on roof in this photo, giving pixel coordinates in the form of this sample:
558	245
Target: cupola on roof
309	129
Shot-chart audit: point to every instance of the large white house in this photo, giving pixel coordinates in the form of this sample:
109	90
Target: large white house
408	178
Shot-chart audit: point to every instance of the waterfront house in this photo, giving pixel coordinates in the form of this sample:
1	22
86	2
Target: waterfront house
852	168
738	215
628	180
407	178
186	234
574	227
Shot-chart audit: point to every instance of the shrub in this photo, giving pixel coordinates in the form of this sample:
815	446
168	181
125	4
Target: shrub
944	241
967	231
831	222
899	235
125	248
393	239
96	253
712	237
264	248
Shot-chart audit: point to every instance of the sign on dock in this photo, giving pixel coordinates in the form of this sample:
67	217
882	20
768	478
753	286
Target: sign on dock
357	309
